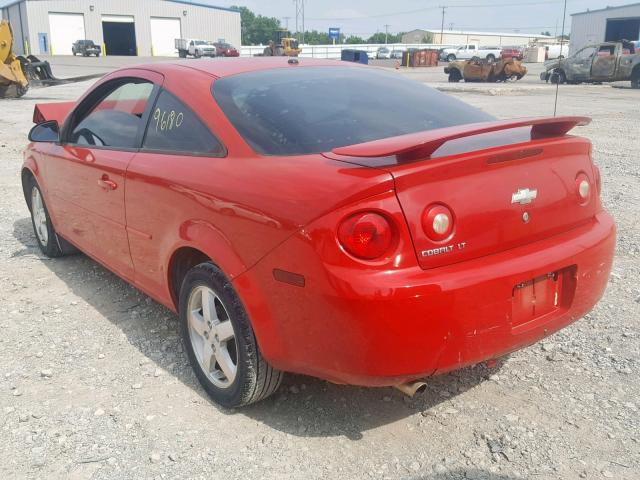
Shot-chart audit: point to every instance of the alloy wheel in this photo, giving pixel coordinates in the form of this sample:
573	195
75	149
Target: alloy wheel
212	336
39	216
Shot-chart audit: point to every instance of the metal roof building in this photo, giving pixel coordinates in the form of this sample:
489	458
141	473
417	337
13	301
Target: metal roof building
121	27
609	24
462	37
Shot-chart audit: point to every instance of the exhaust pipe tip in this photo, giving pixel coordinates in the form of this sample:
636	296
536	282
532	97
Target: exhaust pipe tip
411	388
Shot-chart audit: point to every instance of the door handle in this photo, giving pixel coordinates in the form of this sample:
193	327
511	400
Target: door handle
107	184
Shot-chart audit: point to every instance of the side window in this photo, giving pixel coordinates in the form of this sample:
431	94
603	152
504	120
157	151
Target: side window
116	120
585	53
472	47
173	127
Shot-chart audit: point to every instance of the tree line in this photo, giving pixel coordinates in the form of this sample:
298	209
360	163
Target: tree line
259	29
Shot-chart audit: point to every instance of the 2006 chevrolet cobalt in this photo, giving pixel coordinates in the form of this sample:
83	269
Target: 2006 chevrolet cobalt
321	218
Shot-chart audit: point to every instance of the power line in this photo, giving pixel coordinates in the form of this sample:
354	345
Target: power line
450	5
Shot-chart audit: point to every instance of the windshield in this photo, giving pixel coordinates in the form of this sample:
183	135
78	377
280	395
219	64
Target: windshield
296	111
383	50
201	42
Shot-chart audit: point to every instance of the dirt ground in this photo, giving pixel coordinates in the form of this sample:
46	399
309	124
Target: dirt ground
94	382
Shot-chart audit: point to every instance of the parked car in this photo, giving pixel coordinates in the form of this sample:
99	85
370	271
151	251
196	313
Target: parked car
85	48
397	53
602	62
476	70
304	233
469	51
383	52
512	52
195	48
226	50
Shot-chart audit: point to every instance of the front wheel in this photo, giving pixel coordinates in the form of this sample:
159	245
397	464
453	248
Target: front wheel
558	77
46	236
454	76
220	341
451	57
491	58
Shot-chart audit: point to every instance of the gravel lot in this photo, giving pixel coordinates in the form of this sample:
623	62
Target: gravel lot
94	382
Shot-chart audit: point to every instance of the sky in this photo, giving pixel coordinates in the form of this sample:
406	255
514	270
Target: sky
365	17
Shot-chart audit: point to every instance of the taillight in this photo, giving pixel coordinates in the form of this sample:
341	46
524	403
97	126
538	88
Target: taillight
366	235
437	222
583	188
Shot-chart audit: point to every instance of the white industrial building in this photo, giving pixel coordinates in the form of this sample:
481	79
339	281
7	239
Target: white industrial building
463	37
609	24
121	27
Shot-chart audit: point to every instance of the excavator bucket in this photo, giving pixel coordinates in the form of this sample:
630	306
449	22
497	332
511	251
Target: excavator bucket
13	82
17	73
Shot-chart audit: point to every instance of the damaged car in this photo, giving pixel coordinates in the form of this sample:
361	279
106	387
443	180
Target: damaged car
294	227
480	70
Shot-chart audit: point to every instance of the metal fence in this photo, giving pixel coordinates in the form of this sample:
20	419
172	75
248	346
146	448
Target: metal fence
334	51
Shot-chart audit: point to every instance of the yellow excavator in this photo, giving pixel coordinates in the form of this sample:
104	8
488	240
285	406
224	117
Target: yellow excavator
13	81
17	73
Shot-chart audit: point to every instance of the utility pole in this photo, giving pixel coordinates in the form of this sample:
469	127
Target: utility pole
286	22
442	25
386	32
302	1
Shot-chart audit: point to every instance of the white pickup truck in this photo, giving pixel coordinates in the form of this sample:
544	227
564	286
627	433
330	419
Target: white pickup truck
469	51
195	48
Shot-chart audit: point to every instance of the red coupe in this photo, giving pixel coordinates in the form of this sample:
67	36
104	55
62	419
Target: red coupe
324	218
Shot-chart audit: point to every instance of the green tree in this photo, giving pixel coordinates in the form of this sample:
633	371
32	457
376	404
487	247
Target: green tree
354	39
380	37
256	29
547	33
428	38
317	38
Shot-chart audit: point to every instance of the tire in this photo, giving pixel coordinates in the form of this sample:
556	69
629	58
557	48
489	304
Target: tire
635	78
454	76
491	58
182	54
197	54
204	337
451	57
558	77
46	236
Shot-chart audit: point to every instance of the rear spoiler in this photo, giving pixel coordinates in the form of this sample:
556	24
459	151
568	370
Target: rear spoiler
44	112
427	142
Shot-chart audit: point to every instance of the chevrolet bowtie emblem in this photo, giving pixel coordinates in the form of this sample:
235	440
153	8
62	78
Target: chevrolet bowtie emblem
524	196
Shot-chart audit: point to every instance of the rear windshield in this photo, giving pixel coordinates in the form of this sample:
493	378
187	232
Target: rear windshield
305	110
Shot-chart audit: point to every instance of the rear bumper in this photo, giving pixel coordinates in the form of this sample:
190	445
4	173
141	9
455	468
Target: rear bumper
382	328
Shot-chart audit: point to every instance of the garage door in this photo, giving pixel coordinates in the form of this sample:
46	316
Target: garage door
65	29
164	31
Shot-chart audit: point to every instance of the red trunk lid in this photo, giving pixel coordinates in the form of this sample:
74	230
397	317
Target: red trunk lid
500	197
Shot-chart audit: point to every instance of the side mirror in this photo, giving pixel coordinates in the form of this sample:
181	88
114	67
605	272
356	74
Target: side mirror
45	132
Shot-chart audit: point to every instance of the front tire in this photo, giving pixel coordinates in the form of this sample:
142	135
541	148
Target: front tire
46	236
558	77
451	57
454	76
220	341
491	58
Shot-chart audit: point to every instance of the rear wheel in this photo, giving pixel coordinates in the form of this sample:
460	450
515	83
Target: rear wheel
635	78
220	342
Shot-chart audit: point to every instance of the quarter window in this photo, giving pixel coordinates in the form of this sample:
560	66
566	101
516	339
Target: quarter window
117	119
173	127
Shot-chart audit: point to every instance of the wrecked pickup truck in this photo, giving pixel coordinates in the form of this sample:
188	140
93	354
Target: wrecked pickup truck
481	70
603	62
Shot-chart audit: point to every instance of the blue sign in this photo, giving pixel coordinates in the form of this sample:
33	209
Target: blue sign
334	33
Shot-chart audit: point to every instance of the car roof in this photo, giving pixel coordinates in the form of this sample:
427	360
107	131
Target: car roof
224	67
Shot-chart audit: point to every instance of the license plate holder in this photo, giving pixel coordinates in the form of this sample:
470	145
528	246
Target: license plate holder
536	298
